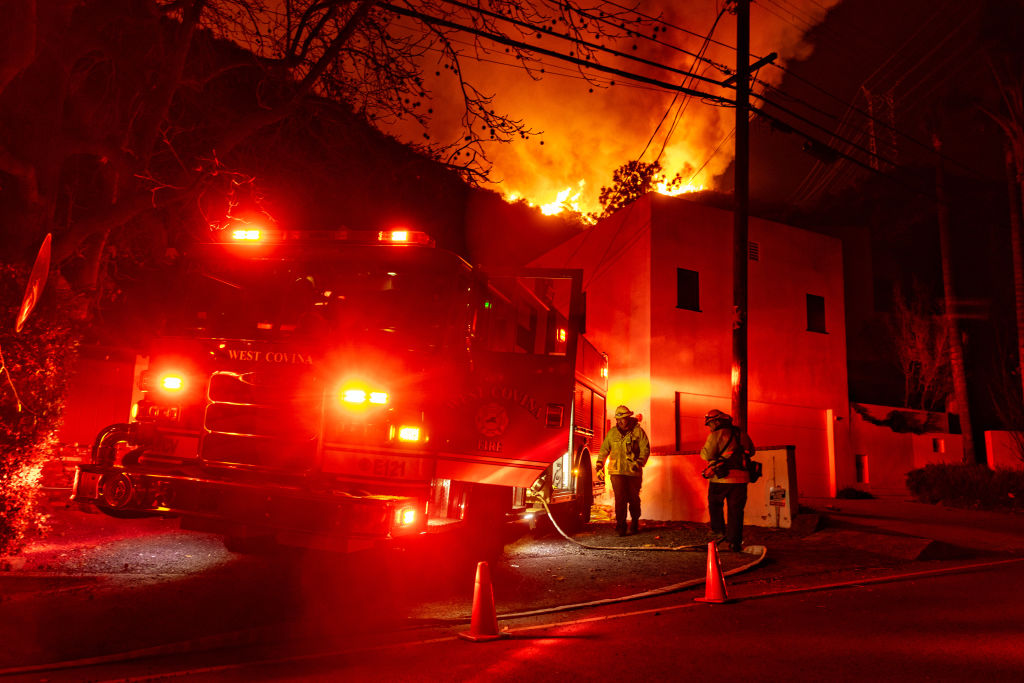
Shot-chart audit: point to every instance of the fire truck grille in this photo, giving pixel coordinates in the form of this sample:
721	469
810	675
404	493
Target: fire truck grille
263	420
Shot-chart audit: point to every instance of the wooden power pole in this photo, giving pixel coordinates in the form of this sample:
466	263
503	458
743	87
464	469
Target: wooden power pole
741	166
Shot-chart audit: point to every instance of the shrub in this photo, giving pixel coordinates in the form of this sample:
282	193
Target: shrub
36	362
969	486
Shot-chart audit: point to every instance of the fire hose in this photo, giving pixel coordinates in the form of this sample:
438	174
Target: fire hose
543	502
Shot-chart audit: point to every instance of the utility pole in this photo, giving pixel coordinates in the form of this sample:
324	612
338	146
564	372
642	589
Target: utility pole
741	166
956	346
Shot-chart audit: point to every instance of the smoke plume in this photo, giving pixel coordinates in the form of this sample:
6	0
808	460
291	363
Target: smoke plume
588	127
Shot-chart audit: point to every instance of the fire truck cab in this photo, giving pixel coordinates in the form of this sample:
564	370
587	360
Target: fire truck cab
338	389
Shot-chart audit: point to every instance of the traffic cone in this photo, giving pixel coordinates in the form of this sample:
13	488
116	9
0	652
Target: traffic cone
484	624
714	582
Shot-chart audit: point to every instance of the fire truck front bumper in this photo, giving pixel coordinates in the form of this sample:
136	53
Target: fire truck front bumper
273	508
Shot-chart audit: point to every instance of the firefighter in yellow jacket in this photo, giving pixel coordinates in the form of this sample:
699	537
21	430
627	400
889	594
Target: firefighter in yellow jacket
725	445
627	449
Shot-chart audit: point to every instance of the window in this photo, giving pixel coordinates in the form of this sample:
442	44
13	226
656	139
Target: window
687	289
815	313
938	445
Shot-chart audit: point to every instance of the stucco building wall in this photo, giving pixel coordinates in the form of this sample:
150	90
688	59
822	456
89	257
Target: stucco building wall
674	364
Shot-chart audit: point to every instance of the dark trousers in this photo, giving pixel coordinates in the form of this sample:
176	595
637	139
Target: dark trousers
736	496
627	493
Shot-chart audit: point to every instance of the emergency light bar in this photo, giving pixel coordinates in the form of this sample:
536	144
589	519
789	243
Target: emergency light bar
260	236
404	237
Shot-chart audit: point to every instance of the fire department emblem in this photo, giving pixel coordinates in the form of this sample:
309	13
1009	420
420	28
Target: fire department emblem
491	419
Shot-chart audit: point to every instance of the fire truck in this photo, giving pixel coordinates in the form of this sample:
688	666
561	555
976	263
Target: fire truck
340	389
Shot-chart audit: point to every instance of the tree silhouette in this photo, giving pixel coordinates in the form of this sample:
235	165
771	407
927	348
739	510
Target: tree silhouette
631	181
128	116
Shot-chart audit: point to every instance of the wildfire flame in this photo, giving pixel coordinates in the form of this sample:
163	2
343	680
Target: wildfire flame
564	201
592	123
569	198
670	190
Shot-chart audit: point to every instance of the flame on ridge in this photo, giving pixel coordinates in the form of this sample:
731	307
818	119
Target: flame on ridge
569	199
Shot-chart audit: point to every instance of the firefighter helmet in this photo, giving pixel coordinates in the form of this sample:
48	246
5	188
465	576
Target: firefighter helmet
714	415
623	412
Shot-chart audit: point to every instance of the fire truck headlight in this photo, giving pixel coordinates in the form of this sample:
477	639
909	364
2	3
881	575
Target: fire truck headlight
245	235
353	396
408	433
379	397
172	382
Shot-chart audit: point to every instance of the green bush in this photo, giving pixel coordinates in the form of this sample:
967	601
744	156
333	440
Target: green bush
36	365
968	486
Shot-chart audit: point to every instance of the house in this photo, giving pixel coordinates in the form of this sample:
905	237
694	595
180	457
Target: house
658	281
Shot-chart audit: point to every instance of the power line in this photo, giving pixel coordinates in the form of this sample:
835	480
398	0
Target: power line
686	100
675	97
578	41
586	63
699	56
667	23
505	40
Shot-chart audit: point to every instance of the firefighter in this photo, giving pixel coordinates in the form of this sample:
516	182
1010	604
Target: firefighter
723	450
627	448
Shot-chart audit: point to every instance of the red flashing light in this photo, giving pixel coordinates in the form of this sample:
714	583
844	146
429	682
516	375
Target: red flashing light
405	517
403	236
355	396
407	433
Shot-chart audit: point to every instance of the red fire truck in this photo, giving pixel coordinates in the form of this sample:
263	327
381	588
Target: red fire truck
334	389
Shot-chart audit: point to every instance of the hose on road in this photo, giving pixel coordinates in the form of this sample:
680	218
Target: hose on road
696	546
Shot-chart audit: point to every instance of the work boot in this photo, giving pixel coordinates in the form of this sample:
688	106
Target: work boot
621	530
634	527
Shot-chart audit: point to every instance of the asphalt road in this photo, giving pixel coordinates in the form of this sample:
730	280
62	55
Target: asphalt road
957	627
95	588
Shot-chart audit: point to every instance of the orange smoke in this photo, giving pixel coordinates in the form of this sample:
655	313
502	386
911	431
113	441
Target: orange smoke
591	126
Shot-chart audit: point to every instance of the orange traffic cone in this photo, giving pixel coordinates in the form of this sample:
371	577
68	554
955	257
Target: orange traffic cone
714	583
484	624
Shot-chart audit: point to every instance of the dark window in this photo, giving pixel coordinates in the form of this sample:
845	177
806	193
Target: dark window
687	289
815	313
